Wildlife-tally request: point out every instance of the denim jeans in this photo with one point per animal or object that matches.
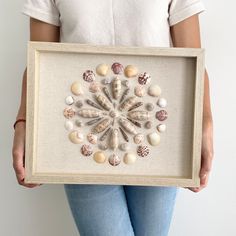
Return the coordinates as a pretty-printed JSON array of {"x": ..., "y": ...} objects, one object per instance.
[{"x": 121, "y": 210}]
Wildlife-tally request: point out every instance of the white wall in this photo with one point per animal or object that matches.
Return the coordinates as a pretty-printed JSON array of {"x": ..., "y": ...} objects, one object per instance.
[{"x": 44, "y": 210}]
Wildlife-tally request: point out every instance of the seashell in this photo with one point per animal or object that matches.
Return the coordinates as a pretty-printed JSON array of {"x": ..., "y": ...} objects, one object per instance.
[
  {"x": 129, "y": 127},
  {"x": 76, "y": 137},
  {"x": 106, "y": 81},
  {"x": 79, "y": 123},
  {"x": 130, "y": 71},
  {"x": 126, "y": 83},
  {"x": 102, "y": 146},
  {"x": 162, "y": 102},
  {"x": 114, "y": 139},
  {"x": 144, "y": 78},
  {"x": 148, "y": 125},
  {"x": 102, "y": 69},
  {"x": 76, "y": 89},
  {"x": 135, "y": 122},
  {"x": 94, "y": 87},
  {"x": 79, "y": 104},
  {"x": 124, "y": 147},
  {"x": 136, "y": 105},
  {"x": 154, "y": 138},
  {"x": 101, "y": 126},
  {"x": 139, "y": 91},
  {"x": 107, "y": 94},
  {"x": 99, "y": 157},
  {"x": 103, "y": 102},
  {"x": 117, "y": 68},
  {"x": 125, "y": 136},
  {"x": 125, "y": 93},
  {"x": 154, "y": 90},
  {"x": 69, "y": 100},
  {"x": 91, "y": 122},
  {"x": 91, "y": 103},
  {"x": 113, "y": 114},
  {"x": 89, "y": 113},
  {"x": 161, "y": 115},
  {"x": 139, "y": 115},
  {"x": 129, "y": 158},
  {"x": 86, "y": 150},
  {"x": 127, "y": 104},
  {"x": 89, "y": 76},
  {"x": 69, "y": 112},
  {"x": 92, "y": 138},
  {"x": 106, "y": 133},
  {"x": 68, "y": 125},
  {"x": 114, "y": 159},
  {"x": 138, "y": 138},
  {"x": 149, "y": 106},
  {"x": 143, "y": 150},
  {"x": 116, "y": 88},
  {"x": 161, "y": 128}
]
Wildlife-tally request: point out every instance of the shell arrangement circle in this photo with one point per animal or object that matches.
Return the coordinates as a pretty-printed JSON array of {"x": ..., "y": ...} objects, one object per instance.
[{"x": 116, "y": 115}]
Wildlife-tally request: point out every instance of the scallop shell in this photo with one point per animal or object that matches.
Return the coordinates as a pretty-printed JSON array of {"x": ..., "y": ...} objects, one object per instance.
[
  {"x": 89, "y": 113},
  {"x": 102, "y": 100},
  {"x": 116, "y": 88},
  {"x": 86, "y": 150},
  {"x": 129, "y": 158},
  {"x": 130, "y": 71},
  {"x": 114, "y": 159},
  {"x": 69, "y": 112},
  {"x": 144, "y": 78},
  {"x": 154, "y": 138},
  {"x": 76, "y": 88},
  {"x": 69, "y": 100},
  {"x": 143, "y": 150},
  {"x": 154, "y": 90},
  {"x": 102, "y": 69},
  {"x": 69, "y": 125},
  {"x": 101, "y": 126},
  {"x": 162, "y": 102},
  {"x": 117, "y": 68},
  {"x": 138, "y": 138},
  {"x": 88, "y": 76},
  {"x": 161, "y": 128},
  {"x": 92, "y": 138},
  {"x": 149, "y": 106},
  {"x": 129, "y": 127},
  {"x": 127, "y": 104},
  {"x": 124, "y": 147},
  {"x": 76, "y": 137},
  {"x": 161, "y": 115},
  {"x": 139, "y": 115},
  {"x": 99, "y": 157},
  {"x": 139, "y": 91},
  {"x": 114, "y": 139},
  {"x": 94, "y": 87}
]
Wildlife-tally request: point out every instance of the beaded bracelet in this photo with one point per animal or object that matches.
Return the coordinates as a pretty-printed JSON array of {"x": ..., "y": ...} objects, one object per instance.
[{"x": 19, "y": 120}]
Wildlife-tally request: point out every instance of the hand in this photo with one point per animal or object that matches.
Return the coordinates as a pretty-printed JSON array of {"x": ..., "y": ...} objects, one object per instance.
[
  {"x": 206, "y": 154},
  {"x": 18, "y": 153}
]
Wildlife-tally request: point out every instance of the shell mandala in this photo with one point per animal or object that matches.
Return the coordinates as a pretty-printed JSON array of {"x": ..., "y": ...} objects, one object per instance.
[{"x": 107, "y": 116}]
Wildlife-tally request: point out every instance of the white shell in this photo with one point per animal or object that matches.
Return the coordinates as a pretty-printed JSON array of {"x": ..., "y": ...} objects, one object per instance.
[
  {"x": 69, "y": 100},
  {"x": 162, "y": 102},
  {"x": 76, "y": 88},
  {"x": 102, "y": 69},
  {"x": 92, "y": 138},
  {"x": 139, "y": 91},
  {"x": 154, "y": 90},
  {"x": 154, "y": 138},
  {"x": 76, "y": 137},
  {"x": 161, "y": 128},
  {"x": 69, "y": 125},
  {"x": 99, "y": 157},
  {"x": 129, "y": 158},
  {"x": 138, "y": 138}
]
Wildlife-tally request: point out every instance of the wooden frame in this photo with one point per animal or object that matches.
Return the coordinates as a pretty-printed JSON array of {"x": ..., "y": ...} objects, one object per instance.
[{"x": 187, "y": 57}]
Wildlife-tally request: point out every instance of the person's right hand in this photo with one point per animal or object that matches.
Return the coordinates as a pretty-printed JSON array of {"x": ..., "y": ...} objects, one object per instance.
[{"x": 18, "y": 153}]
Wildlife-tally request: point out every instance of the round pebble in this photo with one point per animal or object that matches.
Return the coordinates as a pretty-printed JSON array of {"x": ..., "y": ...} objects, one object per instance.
[
  {"x": 69, "y": 100},
  {"x": 162, "y": 102},
  {"x": 79, "y": 104},
  {"x": 148, "y": 125},
  {"x": 149, "y": 106}
]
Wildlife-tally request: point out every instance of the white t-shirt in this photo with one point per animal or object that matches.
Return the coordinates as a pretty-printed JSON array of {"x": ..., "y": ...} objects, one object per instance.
[{"x": 114, "y": 22}]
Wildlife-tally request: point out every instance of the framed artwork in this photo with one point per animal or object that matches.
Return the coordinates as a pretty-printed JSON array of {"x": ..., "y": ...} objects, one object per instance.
[{"x": 113, "y": 114}]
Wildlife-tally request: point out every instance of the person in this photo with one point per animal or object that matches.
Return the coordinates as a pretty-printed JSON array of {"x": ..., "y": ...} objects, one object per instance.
[{"x": 110, "y": 210}]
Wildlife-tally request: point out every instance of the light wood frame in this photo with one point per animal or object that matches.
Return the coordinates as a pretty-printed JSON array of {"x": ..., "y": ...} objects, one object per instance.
[{"x": 32, "y": 176}]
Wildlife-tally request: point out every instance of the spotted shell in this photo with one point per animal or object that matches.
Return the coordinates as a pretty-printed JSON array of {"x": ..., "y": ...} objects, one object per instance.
[
  {"x": 117, "y": 68},
  {"x": 102, "y": 69},
  {"x": 144, "y": 78},
  {"x": 86, "y": 150},
  {"x": 88, "y": 76},
  {"x": 139, "y": 91},
  {"x": 161, "y": 115},
  {"x": 76, "y": 137},
  {"x": 138, "y": 138},
  {"x": 69, "y": 112},
  {"x": 92, "y": 138},
  {"x": 76, "y": 88},
  {"x": 99, "y": 157},
  {"x": 114, "y": 159},
  {"x": 143, "y": 150},
  {"x": 130, "y": 71},
  {"x": 94, "y": 87}
]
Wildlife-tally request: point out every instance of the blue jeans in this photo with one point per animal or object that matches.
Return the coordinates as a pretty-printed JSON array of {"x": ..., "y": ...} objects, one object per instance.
[{"x": 121, "y": 210}]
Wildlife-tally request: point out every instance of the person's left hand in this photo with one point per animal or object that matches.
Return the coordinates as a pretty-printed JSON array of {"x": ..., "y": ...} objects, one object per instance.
[{"x": 207, "y": 153}]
